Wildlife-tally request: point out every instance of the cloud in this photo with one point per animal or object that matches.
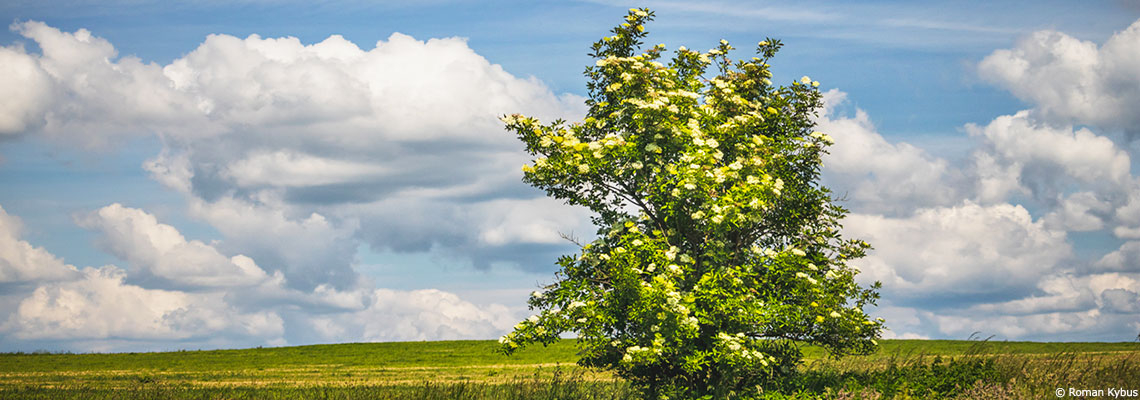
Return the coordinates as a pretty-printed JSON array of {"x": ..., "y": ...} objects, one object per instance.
[
  {"x": 79, "y": 93},
  {"x": 876, "y": 175},
  {"x": 1020, "y": 154},
  {"x": 964, "y": 254},
  {"x": 1070, "y": 80},
  {"x": 159, "y": 251},
  {"x": 22, "y": 263},
  {"x": 310, "y": 250},
  {"x": 298, "y": 170},
  {"x": 1124, "y": 259},
  {"x": 407, "y": 156},
  {"x": 102, "y": 306},
  {"x": 28, "y": 90},
  {"x": 1079, "y": 212},
  {"x": 294, "y": 131},
  {"x": 1092, "y": 307},
  {"x": 418, "y": 315}
]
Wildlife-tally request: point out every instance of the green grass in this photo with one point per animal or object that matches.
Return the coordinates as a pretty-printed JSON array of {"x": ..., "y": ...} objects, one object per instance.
[{"x": 472, "y": 369}]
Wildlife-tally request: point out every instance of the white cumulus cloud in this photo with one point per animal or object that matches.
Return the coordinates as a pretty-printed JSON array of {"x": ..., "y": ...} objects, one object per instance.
[
  {"x": 21, "y": 262},
  {"x": 1072, "y": 80},
  {"x": 969, "y": 252},
  {"x": 158, "y": 250},
  {"x": 102, "y": 306},
  {"x": 877, "y": 175}
]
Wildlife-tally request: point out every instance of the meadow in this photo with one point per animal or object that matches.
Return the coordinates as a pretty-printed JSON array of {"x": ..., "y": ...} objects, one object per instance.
[{"x": 472, "y": 370}]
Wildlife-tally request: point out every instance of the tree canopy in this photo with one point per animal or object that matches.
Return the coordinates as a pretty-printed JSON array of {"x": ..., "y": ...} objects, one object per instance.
[{"x": 718, "y": 251}]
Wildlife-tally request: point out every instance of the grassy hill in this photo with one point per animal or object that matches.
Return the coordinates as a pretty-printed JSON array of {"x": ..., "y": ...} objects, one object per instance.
[{"x": 418, "y": 369}]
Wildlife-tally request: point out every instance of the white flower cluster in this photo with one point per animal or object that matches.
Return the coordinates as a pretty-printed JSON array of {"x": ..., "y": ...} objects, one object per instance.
[
  {"x": 823, "y": 137},
  {"x": 735, "y": 346}
]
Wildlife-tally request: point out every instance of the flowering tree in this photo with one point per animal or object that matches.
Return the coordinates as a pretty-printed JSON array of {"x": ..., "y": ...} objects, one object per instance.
[{"x": 718, "y": 250}]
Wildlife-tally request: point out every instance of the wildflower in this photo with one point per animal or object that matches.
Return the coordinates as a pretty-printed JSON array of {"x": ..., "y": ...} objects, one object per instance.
[
  {"x": 583, "y": 168},
  {"x": 533, "y": 319},
  {"x": 772, "y": 110},
  {"x": 819, "y": 319},
  {"x": 805, "y": 80},
  {"x": 835, "y": 314},
  {"x": 798, "y": 252}
]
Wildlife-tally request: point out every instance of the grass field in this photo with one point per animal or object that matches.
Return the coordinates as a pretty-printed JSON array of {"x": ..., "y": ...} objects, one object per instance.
[{"x": 471, "y": 369}]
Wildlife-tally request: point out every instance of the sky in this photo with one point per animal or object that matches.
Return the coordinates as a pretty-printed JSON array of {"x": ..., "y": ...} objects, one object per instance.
[{"x": 220, "y": 174}]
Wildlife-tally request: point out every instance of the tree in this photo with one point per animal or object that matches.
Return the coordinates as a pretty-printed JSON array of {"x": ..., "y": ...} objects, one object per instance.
[{"x": 718, "y": 251}]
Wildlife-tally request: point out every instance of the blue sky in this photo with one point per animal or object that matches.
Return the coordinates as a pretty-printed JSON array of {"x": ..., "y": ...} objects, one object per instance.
[{"x": 221, "y": 174}]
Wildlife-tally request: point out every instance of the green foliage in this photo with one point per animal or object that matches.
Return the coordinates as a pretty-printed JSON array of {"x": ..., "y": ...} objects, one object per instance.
[
  {"x": 919, "y": 378},
  {"x": 718, "y": 251}
]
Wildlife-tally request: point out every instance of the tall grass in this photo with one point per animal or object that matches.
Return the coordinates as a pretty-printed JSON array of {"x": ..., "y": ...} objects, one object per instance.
[
  {"x": 977, "y": 373},
  {"x": 558, "y": 385}
]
